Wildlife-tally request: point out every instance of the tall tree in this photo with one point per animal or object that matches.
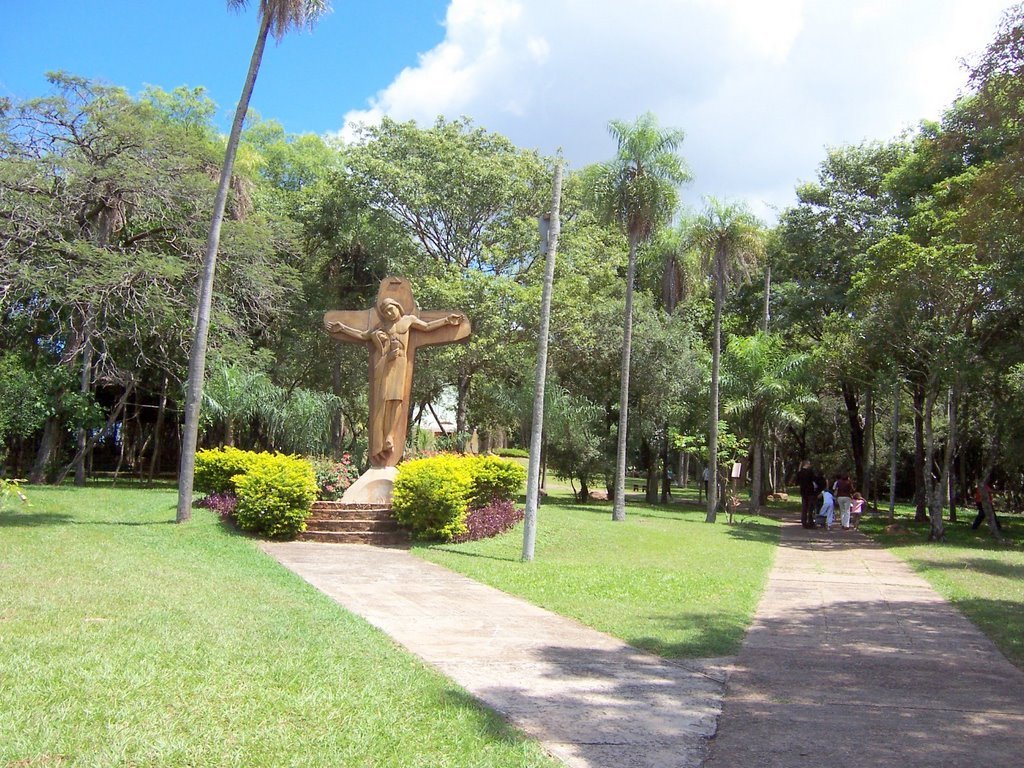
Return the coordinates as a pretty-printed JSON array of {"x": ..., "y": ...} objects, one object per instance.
[
  {"x": 277, "y": 17},
  {"x": 637, "y": 190},
  {"x": 468, "y": 200},
  {"x": 764, "y": 383},
  {"x": 730, "y": 239}
]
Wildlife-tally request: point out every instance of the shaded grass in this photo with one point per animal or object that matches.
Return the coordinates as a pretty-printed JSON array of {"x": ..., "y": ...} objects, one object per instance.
[
  {"x": 128, "y": 640},
  {"x": 663, "y": 580},
  {"x": 982, "y": 578}
]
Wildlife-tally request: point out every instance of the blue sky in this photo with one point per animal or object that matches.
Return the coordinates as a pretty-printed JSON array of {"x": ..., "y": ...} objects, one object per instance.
[
  {"x": 760, "y": 87},
  {"x": 308, "y": 81}
]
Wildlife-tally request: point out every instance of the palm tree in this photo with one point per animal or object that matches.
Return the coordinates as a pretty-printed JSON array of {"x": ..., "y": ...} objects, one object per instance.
[
  {"x": 636, "y": 190},
  {"x": 277, "y": 17},
  {"x": 730, "y": 241},
  {"x": 767, "y": 387}
]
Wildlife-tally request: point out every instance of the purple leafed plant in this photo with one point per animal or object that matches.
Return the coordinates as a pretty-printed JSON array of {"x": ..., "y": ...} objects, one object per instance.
[
  {"x": 222, "y": 503},
  {"x": 484, "y": 522}
]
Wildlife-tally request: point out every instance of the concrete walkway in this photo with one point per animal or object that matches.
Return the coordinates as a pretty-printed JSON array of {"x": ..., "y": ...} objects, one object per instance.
[
  {"x": 852, "y": 661},
  {"x": 591, "y": 700}
]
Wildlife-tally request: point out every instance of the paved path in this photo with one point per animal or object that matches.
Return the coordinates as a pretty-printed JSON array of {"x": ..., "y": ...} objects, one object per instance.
[
  {"x": 591, "y": 700},
  {"x": 852, "y": 660}
]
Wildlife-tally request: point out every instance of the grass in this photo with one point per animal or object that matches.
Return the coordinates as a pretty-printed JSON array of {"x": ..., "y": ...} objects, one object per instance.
[
  {"x": 663, "y": 580},
  {"x": 983, "y": 579},
  {"x": 128, "y": 640}
]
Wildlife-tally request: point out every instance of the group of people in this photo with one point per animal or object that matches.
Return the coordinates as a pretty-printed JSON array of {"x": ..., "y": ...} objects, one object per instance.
[{"x": 819, "y": 499}]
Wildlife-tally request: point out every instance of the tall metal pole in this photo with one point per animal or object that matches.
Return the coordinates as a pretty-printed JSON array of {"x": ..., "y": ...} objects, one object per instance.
[
  {"x": 549, "y": 242},
  {"x": 767, "y": 297}
]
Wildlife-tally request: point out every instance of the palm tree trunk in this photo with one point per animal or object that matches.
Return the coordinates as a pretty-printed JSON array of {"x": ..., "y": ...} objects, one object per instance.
[
  {"x": 716, "y": 360},
  {"x": 197, "y": 357},
  {"x": 619, "y": 506},
  {"x": 533, "y": 473}
]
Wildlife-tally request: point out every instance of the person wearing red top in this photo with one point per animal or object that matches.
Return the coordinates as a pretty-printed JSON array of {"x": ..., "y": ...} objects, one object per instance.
[{"x": 978, "y": 501}]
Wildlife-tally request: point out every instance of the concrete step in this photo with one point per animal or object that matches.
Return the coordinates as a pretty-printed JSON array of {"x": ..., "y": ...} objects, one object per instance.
[
  {"x": 353, "y": 524},
  {"x": 377, "y": 538},
  {"x": 340, "y": 523},
  {"x": 335, "y": 510}
]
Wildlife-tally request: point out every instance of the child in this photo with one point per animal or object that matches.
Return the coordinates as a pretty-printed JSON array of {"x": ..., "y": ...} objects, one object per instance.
[
  {"x": 826, "y": 516},
  {"x": 856, "y": 509}
]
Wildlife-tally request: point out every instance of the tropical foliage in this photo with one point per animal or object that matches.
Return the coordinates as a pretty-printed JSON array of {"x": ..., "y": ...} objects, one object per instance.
[{"x": 873, "y": 327}]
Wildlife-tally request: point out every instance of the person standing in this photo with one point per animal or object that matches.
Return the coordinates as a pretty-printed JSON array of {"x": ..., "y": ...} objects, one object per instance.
[
  {"x": 808, "y": 494},
  {"x": 707, "y": 477},
  {"x": 844, "y": 497},
  {"x": 828, "y": 509},
  {"x": 979, "y": 501},
  {"x": 856, "y": 510}
]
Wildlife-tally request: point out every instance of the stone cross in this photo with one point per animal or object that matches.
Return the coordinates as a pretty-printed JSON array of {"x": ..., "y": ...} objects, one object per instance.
[{"x": 393, "y": 329}]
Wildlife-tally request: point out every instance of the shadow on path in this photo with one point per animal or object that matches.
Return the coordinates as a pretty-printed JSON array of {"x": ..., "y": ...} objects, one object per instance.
[{"x": 853, "y": 660}]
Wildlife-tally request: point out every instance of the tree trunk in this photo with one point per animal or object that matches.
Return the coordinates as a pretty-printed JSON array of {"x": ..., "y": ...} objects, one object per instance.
[
  {"x": 125, "y": 436},
  {"x": 716, "y": 359},
  {"x": 650, "y": 459},
  {"x": 666, "y": 482},
  {"x": 869, "y": 439},
  {"x": 85, "y": 388},
  {"x": 619, "y": 505},
  {"x": 951, "y": 448},
  {"x": 755, "y": 476},
  {"x": 197, "y": 356},
  {"x": 933, "y": 489},
  {"x": 894, "y": 457},
  {"x": 158, "y": 431},
  {"x": 111, "y": 421},
  {"x": 45, "y": 453},
  {"x": 533, "y": 474},
  {"x": 462, "y": 404},
  {"x": 856, "y": 431},
  {"x": 920, "y": 490}
]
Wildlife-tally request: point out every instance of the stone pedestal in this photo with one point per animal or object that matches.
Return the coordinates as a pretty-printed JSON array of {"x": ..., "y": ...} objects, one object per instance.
[{"x": 373, "y": 487}]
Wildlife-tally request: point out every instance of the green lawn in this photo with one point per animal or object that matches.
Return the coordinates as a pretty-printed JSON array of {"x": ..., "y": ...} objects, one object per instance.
[
  {"x": 128, "y": 640},
  {"x": 663, "y": 580},
  {"x": 985, "y": 580}
]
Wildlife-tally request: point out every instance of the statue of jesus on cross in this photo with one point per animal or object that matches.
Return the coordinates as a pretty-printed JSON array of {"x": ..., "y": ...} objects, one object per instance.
[{"x": 393, "y": 330}]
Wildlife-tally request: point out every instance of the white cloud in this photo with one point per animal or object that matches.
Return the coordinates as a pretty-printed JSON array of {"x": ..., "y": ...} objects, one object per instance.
[{"x": 761, "y": 88}]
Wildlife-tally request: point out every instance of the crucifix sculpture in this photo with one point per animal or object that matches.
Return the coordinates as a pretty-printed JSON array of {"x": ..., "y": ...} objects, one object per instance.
[{"x": 392, "y": 330}]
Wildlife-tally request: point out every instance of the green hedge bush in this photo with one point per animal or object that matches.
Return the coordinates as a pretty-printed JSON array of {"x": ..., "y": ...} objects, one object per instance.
[
  {"x": 433, "y": 496},
  {"x": 518, "y": 453},
  {"x": 494, "y": 479},
  {"x": 216, "y": 468},
  {"x": 275, "y": 495}
]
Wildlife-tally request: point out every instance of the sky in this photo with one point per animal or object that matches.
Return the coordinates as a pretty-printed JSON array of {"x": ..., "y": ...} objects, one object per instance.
[{"x": 761, "y": 88}]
